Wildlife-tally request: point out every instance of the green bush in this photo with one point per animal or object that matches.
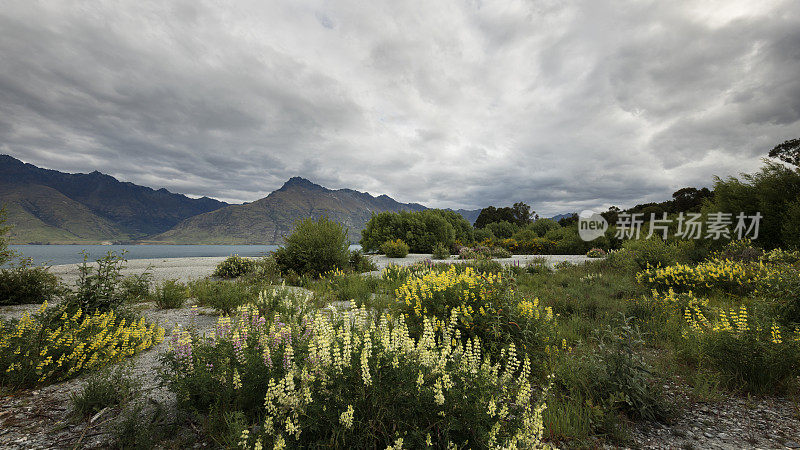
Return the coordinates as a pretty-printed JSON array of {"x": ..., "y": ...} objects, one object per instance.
[
  {"x": 223, "y": 296},
  {"x": 105, "y": 389},
  {"x": 654, "y": 252},
  {"x": 542, "y": 226},
  {"x": 503, "y": 229},
  {"x": 394, "y": 249},
  {"x": 748, "y": 355},
  {"x": 440, "y": 251},
  {"x": 136, "y": 287},
  {"x": 24, "y": 283},
  {"x": 361, "y": 263},
  {"x": 234, "y": 266},
  {"x": 592, "y": 389},
  {"x": 421, "y": 230},
  {"x": 314, "y": 247},
  {"x": 97, "y": 287},
  {"x": 483, "y": 234},
  {"x": 170, "y": 294},
  {"x": 265, "y": 270}
]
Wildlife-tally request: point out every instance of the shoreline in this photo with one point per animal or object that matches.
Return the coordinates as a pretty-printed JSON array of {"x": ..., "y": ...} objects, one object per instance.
[{"x": 187, "y": 269}]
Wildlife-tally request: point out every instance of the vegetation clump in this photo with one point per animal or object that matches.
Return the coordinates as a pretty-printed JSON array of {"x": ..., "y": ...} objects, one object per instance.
[
  {"x": 234, "y": 266},
  {"x": 395, "y": 249},
  {"x": 314, "y": 247}
]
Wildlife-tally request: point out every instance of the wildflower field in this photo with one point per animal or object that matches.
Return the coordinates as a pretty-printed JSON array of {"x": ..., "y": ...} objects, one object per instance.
[{"x": 470, "y": 354}]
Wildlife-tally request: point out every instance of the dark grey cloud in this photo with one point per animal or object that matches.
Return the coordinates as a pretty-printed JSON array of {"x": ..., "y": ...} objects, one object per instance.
[{"x": 564, "y": 105}]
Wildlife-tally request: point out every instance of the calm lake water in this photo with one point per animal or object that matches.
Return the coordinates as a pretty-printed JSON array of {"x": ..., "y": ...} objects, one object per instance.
[{"x": 69, "y": 254}]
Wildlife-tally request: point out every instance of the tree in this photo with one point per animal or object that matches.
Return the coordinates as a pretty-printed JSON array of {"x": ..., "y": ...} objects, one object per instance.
[
  {"x": 520, "y": 214},
  {"x": 788, "y": 152}
]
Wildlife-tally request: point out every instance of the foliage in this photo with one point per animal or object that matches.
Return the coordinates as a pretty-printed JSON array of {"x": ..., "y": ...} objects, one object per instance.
[
  {"x": 754, "y": 357},
  {"x": 520, "y": 215},
  {"x": 594, "y": 387},
  {"x": 421, "y": 230},
  {"x": 773, "y": 191},
  {"x": 104, "y": 389},
  {"x": 739, "y": 251},
  {"x": 353, "y": 384},
  {"x": 170, "y": 294},
  {"x": 503, "y": 229},
  {"x": 542, "y": 226},
  {"x": 714, "y": 274},
  {"x": 483, "y": 305},
  {"x": 98, "y": 286},
  {"x": 314, "y": 247},
  {"x": 265, "y": 270},
  {"x": 234, "y": 266},
  {"x": 483, "y": 234},
  {"x": 596, "y": 253},
  {"x": 361, "y": 263},
  {"x": 440, "y": 251},
  {"x": 342, "y": 286},
  {"x": 136, "y": 287},
  {"x": 23, "y": 282},
  {"x": 223, "y": 296},
  {"x": 653, "y": 252},
  {"x": 483, "y": 252},
  {"x": 788, "y": 152},
  {"x": 394, "y": 249},
  {"x": 54, "y": 345}
]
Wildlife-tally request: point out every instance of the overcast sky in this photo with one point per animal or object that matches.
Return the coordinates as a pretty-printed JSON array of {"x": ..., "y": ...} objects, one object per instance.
[{"x": 563, "y": 105}]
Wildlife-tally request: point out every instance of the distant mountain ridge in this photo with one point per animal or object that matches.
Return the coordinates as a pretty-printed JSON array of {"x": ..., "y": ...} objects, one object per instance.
[
  {"x": 270, "y": 219},
  {"x": 51, "y": 206},
  {"x": 48, "y": 206}
]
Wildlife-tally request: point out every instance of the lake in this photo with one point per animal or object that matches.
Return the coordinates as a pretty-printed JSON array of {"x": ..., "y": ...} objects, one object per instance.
[{"x": 70, "y": 254}]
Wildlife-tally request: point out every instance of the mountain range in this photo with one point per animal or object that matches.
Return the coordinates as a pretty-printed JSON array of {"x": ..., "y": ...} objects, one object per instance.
[{"x": 48, "y": 206}]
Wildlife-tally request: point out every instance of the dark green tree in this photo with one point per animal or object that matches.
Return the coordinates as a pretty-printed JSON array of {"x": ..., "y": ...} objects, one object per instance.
[{"x": 788, "y": 152}]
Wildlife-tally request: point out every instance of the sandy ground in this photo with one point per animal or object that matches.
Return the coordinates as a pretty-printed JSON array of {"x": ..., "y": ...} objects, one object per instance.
[
  {"x": 188, "y": 269},
  {"x": 182, "y": 269}
]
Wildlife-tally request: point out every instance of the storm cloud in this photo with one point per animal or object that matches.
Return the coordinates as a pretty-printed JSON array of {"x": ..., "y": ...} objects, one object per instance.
[{"x": 462, "y": 104}]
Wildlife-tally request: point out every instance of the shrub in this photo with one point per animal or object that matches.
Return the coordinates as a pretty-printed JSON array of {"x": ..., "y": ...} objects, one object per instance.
[
  {"x": 440, "y": 251},
  {"x": 265, "y": 270},
  {"x": 354, "y": 384},
  {"x": 136, "y": 287},
  {"x": 54, "y": 345},
  {"x": 654, "y": 252},
  {"x": 483, "y": 234},
  {"x": 593, "y": 388},
  {"x": 24, "y": 283},
  {"x": 234, "y": 266},
  {"x": 314, "y": 247},
  {"x": 503, "y": 229},
  {"x": 483, "y": 305},
  {"x": 98, "y": 286},
  {"x": 542, "y": 226},
  {"x": 170, "y": 294},
  {"x": 361, "y": 263},
  {"x": 395, "y": 249},
  {"x": 740, "y": 251},
  {"x": 754, "y": 357},
  {"x": 223, "y": 296},
  {"x": 596, "y": 253},
  {"x": 350, "y": 286},
  {"x": 720, "y": 275},
  {"x": 104, "y": 389}
]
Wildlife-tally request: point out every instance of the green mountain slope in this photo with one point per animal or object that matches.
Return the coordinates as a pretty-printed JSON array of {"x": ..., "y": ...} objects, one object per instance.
[
  {"x": 41, "y": 214},
  {"x": 269, "y": 219},
  {"x": 136, "y": 210}
]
